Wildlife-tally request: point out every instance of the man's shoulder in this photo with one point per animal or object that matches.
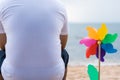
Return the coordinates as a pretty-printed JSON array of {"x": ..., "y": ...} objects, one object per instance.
[
  {"x": 3, "y": 3},
  {"x": 59, "y": 6}
]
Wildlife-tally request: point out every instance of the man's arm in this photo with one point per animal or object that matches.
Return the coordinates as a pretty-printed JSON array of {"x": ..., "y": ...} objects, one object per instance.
[
  {"x": 2, "y": 40},
  {"x": 2, "y": 36},
  {"x": 63, "y": 39}
]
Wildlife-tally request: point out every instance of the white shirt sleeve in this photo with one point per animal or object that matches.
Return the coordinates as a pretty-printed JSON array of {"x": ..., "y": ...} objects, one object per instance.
[
  {"x": 64, "y": 30},
  {"x": 1, "y": 28}
]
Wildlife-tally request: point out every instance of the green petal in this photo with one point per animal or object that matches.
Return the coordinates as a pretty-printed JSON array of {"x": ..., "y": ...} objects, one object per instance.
[
  {"x": 109, "y": 38},
  {"x": 92, "y": 72}
]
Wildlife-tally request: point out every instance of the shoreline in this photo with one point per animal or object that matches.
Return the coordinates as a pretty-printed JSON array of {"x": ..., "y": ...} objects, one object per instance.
[
  {"x": 76, "y": 65},
  {"x": 109, "y": 72}
]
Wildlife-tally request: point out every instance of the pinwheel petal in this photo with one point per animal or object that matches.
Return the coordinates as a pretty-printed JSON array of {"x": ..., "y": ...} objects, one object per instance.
[
  {"x": 92, "y": 33},
  {"x": 109, "y": 38},
  {"x": 88, "y": 42},
  {"x": 109, "y": 48},
  {"x": 92, "y": 50},
  {"x": 92, "y": 72},
  {"x": 102, "y": 31},
  {"x": 103, "y": 53}
]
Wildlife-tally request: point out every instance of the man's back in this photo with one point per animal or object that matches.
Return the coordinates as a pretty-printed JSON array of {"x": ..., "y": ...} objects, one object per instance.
[{"x": 33, "y": 28}]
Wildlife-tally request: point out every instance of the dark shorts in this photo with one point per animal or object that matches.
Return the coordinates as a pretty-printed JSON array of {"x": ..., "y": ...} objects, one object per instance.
[
  {"x": 2, "y": 57},
  {"x": 64, "y": 55}
]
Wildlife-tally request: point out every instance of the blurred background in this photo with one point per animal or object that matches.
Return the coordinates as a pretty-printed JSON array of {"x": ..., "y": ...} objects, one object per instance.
[{"x": 82, "y": 13}]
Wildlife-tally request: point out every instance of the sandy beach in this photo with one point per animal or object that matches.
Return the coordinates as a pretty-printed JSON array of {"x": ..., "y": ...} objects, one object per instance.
[{"x": 80, "y": 73}]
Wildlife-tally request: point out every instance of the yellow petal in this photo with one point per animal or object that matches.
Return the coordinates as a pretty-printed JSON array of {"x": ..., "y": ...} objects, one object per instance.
[
  {"x": 102, "y": 31},
  {"x": 92, "y": 33}
]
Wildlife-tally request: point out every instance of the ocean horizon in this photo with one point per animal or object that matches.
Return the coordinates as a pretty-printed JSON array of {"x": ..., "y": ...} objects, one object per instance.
[{"x": 77, "y": 52}]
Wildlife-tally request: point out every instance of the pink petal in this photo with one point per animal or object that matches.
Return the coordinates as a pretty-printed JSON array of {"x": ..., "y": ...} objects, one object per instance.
[{"x": 88, "y": 42}]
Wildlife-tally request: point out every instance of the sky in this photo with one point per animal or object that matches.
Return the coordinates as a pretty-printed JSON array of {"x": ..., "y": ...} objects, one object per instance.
[{"x": 98, "y": 11}]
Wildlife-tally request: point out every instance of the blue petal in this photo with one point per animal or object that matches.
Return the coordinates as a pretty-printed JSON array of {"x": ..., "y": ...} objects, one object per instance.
[{"x": 109, "y": 48}]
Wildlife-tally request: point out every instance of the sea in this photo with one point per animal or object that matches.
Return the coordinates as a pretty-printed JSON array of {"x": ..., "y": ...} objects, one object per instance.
[{"x": 77, "y": 52}]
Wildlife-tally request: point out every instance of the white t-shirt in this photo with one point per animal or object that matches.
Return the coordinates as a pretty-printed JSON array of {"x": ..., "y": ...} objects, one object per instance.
[{"x": 33, "y": 47}]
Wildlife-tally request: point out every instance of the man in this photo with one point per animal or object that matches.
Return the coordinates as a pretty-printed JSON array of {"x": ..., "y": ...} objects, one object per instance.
[{"x": 35, "y": 30}]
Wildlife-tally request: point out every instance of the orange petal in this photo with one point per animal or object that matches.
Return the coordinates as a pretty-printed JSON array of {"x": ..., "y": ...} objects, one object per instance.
[{"x": 92, "y": 33}]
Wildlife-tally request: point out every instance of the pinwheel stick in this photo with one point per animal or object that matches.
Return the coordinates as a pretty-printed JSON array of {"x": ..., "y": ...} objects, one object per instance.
[{"x": 99, "y": 53}]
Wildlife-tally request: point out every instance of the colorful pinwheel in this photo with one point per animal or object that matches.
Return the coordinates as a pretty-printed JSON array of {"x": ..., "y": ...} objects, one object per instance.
[{"x": 99, "y": 35}]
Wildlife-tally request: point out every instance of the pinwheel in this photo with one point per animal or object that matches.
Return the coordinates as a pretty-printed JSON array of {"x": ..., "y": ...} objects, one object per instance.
[{"x": 99, "y": 42}]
